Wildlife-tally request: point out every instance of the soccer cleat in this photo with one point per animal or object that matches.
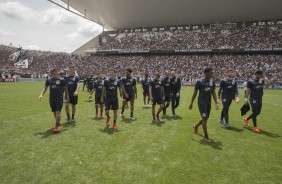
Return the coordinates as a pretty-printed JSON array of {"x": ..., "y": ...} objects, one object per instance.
[
  {"x": 145, "y": 105},
  {"x": 221, "y": 122},
  {"x": 121, "y": 115},
  {"x": 56, "y": 129},
  {"x": 60, "y": 124},
  {"x": 256, "y": 129},
  {"x": 227, "y": 125},
  {"x": 154, "y": 118},
  {"x": 195, "y": 129},
  {"x": 132, "y": 118},
  {"x": 174, "y": 115},
  {"x": 107, "y": 120},
  {"x": 246, "y": 121},
  {"x": 96, "y": 113},
  {"x": 157, "y": 116},
  {"x": 68, "y": 120},
  {"x": 101, "y": 116},
  {"x": 72, "y": 121},
  {"x": 115, "y": 126},
  {"x": 207, "y": 140}
]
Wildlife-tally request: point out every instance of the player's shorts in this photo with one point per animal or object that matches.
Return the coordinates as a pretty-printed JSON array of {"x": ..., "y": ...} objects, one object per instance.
[
  {"x": 204, "y": 109},
  {"x": 167, "y": 98},
  {"x": 226, "y": 102},
  {"x": 157, "y": 100},
  {"x": 56, "y": 104},
  {"x": 111, "y": 103},
  {"x": 256, "y": 104},
  {"x": 73, "y": 100},
  {"x": 98, "y": 100},
  {"x": 146, "y": 93},
  {"x": 131, "y": 96},
  {"x": 90, "y": 88}
]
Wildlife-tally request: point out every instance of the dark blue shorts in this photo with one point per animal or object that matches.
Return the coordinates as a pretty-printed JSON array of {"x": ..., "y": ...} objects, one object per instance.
[
  {"x": 204, "y": 109},
  {"x": 73, "y": 100},
  {"x": 256, "y": 104},
  {"x": 111, "y": 103},
  {"x": 98, "y": 100},
  {"x": 90, "y": 88},
  {"x": 56, "y": 104},
  {"x": 167, "y": 98},
  {"x": 146, "y": 93},
  {"x": 157, "y": 100},
  {"x": 131, "y": 96}
]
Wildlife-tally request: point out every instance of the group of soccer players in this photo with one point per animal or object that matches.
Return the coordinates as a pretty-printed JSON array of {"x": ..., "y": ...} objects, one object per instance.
[{"x": 163, "y": 92}]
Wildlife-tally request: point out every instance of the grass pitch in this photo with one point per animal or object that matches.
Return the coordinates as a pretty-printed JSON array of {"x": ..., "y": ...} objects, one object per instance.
[{"x": 140, "y": 151}]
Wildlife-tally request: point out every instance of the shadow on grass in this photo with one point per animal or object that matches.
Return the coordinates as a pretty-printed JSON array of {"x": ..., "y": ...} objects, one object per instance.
[
  {"x": 109, "y": 130},
  {"x": 231, "y": 128},
  {"x": 213, "y": 144},
  {"x": 263, "y": 132},
  {"x": 97, "y": 118},
  {"x": 72, "y": 124},
  {"x": 127, "y": 120},
  {"x": 167, "y": 117},
  {"x": 157, "y": 123},
  {"x": 49, "y": 132}
]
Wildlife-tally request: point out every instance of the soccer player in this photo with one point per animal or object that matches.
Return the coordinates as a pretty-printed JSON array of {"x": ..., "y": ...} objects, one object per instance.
[
  {"x": 166, "y": 83},
  {"x": 57, "y": 88},
  {"x": 72, "y": 82},
  {"x": 90, "y": 85},
  {"x": 145, "y": 89},
  {"x": 129, "y": 90},
  {"x": 175, "y": 92},
  {"x": 110, "y": 92},
  {"x": 255, "y": 91},
  {"x": 228, "y": 90},
  {"x": 156, "y": 92},
  {"x": 84, "y": 82},
  {"x": 98, "y": 87},
  {"x": 206, "y": 88}
]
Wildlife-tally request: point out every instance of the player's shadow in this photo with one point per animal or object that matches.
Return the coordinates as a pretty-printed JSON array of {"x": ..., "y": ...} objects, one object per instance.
[
  {"x": 167, "y": 117},
  {"x": 109, "y": 130},
  {"x": 213, "y": 144},
  {"x": 263, "y": 132},
  {"x": 96, "y": 118},
  {"x": 127, "y": 120},
  {"x": 158, "y": 123},
  {"x": 231, "y": 128},
  {"x": 177, "y": 118},
  {"x": 71, "y": 124},
  {"x": 49, "y": 132}
]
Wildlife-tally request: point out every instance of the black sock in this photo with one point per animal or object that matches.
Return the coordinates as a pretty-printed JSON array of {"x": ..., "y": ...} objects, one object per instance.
[
  {"x": 115, "y": 121},
  {"x": 68, "y": 115},
  {"x": 122, "y": 111},
  {"x": 72, "y": 116},
  {"x": 131, "y": 114}
]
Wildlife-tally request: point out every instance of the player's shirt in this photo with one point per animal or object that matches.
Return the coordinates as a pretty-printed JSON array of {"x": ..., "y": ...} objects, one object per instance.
[
  {"x": 128, "y": 83},
  {"x": 205, "y": 87},
  {"x": 111, "y": 88},
  {"x": 175, "y": 85},
  {"x": 256, "y": 88},
  {"x": 145, "y": 84},
  {"x": 166, "y": 83},
  {"x": 156, "y": 88},
  {"x": 98, "y": 85},
  {"x": 90, "y": 82},
  {"x": 56, "y": 87},
  {"x": 72, "y": 82},
  {"x": 229, "y": 89}
]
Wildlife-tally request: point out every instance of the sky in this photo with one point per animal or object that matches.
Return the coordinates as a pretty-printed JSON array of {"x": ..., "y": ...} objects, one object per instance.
[{"x": 41, "y": 25}]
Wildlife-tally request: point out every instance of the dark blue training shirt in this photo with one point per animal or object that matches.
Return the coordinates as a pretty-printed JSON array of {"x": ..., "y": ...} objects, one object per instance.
[
  {"x": 90, "y": 82},
  {"x": 111, "y": 87},
  {"x": 166, "y": 83},
  {"x": 72, "y": 82},
  {"x": 145, "y": 84},
  {"x": 56, "y": 87},
  {"x": 228, "y": 89},
  {"x": 98, "y": 85},
  {"x": 256, "y": 88},
  {"x": 156, "y": 88},
  {"x": 128, "y": 83},
  {"x": 205, "y": 87},
  {"x": 175, "y": 85}
]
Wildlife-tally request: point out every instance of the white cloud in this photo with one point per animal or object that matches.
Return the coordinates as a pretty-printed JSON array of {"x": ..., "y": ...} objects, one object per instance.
[
  {"x": 57, "y": 16},
  {"x": 16, "y": 10},
  {"x": 6, "y": 33},
  {"x": 33, "y": 47}
]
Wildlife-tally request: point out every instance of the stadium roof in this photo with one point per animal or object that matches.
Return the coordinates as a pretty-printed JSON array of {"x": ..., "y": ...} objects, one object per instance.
[{"x": 116, "y": 14}]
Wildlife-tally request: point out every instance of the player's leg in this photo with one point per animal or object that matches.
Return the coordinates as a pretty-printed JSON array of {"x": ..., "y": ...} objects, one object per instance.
[
  {"x": 148, "y": 101},
  {"x": 58, "y": 107},
  {"x": 132, "y": 108},
  {"x": 177, "y": 100},
  {"x": 73, "y": 108},
  {"x": 144, "y": 99},
  {"x": 101, "y": 110},
  {"x": 153, "y": 110},
  {"x": 115, "y": 120},
  {"x": 67, "y": 108},
  {"x": 160, "y": 110},
  {"x": 255, "y": 109},
  {"x": 124, "y": 102},
  {"x": 226, "y": 115},
  {"x": 107, "y": 109},
  {"x": 173, "y": 101},
  {"x": 205, "y": 129}
]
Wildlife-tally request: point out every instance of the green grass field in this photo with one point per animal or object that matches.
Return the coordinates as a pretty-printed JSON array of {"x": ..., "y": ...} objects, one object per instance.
[{"x": 140, "y": 151}]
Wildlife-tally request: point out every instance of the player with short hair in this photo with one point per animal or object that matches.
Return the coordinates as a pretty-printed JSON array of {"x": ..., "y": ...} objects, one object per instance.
[
  {"x": 145, "y": 89},
  {"x": 206, "y": 88},
  {"x": 156, "y": 92},
  {"x": 228, "y": 90},
  {"x": 57, "y": 89},
  {"x": 166, "y": 83},
  {"x": 129, "y": 91},
  {"x": 175, "y": 92},
  {"x": 72, "y": 82},
  {"x": 98, "y": 88},
  {"x": 110, "y": 94},
  {"x": 255, "y": 91}
]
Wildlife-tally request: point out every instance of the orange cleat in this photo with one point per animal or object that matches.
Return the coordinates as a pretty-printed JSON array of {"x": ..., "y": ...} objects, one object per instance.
[
  {"x": 195, "y": 129},
  {"x": 207, "y": 140},
  {"x": 256, "y": 129},
  {"x": 115, "y": 126},
  {"x": 107, "y": 120},
  {"x": 246, "y": 121},
  {"x": 56, "y": 129}
]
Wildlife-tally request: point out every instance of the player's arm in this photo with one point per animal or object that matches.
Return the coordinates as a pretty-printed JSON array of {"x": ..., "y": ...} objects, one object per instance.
[
  {"x": 193, "y": 98},
  {"x": 267, "y": 82},
  {"x": 215, "y": 98},
  {"x": 103, "y": 94},
  {"x": 162, "y": 92},
  {"x": 220, "y": 89},
  {"x": 247, "y": 95},
  {"x": 67, "y": 94},
  {"x": 77, "y": 87},
  {"x": 42, "y": 92},
  {"x": 237, "y": 99},
  {"x": 150, "y": 92},
  {"x": 135, "y": 90},
  {"x": 179, "y": 87},
  {"x": 123, "y": 89}
]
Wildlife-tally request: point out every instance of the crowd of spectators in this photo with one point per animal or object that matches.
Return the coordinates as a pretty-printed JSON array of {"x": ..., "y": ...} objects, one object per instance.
[
  {"x": 189, "y": 67},
  {"x": 259, "y": 36}
]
